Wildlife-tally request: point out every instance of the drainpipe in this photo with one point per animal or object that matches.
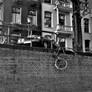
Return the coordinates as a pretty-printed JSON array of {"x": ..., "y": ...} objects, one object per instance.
[
  {"x": 57, "y": 16},
  {"x": 57, "y": 12}
]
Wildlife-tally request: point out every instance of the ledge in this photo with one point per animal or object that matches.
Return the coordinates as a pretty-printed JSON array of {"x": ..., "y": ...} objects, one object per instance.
[
  {"x": 17, "y": 47},
  {"x": 21, "y": 47}
]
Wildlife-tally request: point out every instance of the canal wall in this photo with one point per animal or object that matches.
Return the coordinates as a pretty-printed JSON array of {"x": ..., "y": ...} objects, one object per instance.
[{"x": 35, "y": 71}]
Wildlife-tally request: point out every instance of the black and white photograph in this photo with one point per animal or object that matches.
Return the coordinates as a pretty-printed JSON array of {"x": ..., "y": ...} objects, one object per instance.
[{"x": 45, "y": 45}]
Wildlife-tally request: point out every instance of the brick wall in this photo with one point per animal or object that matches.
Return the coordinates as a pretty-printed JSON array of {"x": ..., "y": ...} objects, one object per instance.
[{"x": 34, "y": 71}]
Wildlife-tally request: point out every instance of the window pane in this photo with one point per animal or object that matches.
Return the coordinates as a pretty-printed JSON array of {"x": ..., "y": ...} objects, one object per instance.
[
  {"x": 86, "y": 25},
  {"x": 61, "y": 19},
  {"x": 16, "y": 10},
  {"x": 16, "y": 15},
  {"x": 18, "y": 18},
  {"x": 47, "y": 19},
  {"x": 13, "y": 18},
  {"x": 32, "y": 16},
  {"x": 87, "y": 45}
]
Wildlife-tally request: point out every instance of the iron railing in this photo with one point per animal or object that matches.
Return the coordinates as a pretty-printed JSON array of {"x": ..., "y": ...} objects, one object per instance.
[
  {"x": 64, "y": 29},
  {"x": 65, "y": 4}
]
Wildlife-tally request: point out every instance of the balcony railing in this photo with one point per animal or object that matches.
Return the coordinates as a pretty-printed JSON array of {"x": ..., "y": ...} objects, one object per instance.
[
  {"x": 65, "y": 29},
  {"x": 65, "y": 6}
]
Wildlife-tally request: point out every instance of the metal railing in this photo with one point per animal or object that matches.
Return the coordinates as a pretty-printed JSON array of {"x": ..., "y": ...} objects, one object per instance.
[
  {"x": 65, "y": 4},
  {"x": 64, "y": 28}
]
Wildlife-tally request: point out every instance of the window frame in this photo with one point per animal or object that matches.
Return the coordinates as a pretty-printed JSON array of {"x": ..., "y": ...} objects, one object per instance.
[
  {"x": 86, "y": 25},
  {"x": 47, "y": 19},
  {"x": 16, "y": 11},
  {"x": 63, "y": 20},
  {"x": 31, "y": 15}
]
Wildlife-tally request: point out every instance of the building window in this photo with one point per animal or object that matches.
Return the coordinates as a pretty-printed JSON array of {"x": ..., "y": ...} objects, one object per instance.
[
  {"x": 86, "y": 25},
  {"x": 47, "y": 19},
  {"x": 16, "y": 15},
  {"x": 61, "y": 19},
  {"x": 32, "y": 17},
  {"x": 87, "y": 45},
  {"x": 47, "y": 1}
]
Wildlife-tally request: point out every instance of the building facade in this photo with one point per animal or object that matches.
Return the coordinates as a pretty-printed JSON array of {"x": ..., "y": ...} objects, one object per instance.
[
  {"x": 86, "y": 25},
  {"x": 51, "y": 18},
  {"x": 57, "y": 17},
  {"x": 22, "y": 12}
]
